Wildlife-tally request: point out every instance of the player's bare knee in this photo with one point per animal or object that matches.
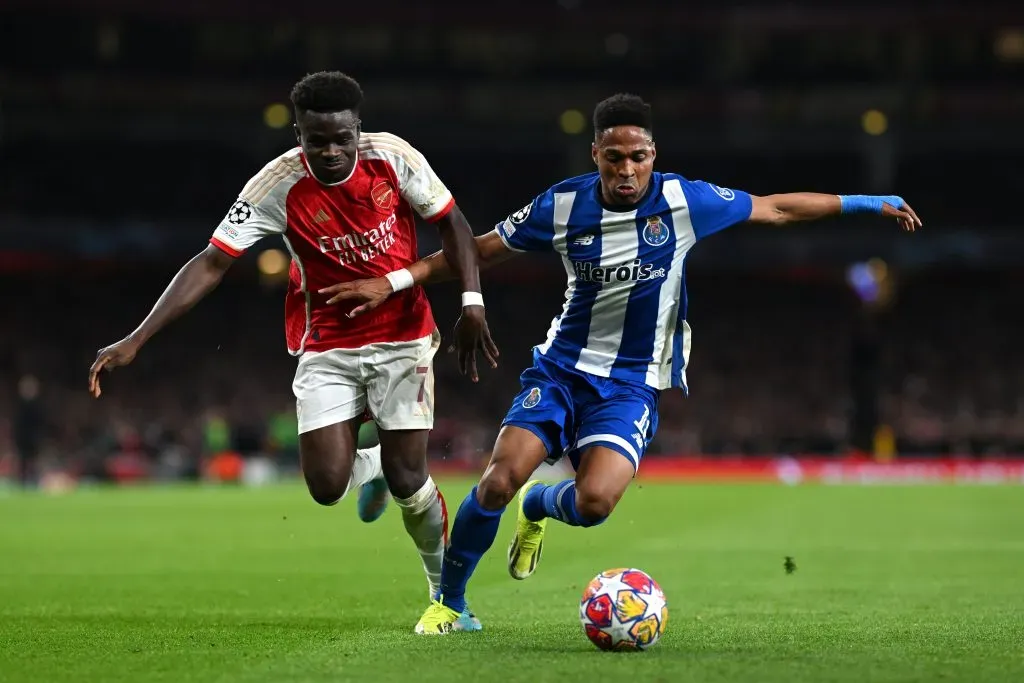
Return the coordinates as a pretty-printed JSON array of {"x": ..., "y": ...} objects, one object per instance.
[
  {"x": 326, "y": 457},
  {"x": 403, "y": 460},
  {"x": 404, "y": 482},
  {"x": 326, "y": 494},
  {"x": 496, "y": 489},
  {"x": 594, "y": 506},
  {"x": 327, "y": 488}
]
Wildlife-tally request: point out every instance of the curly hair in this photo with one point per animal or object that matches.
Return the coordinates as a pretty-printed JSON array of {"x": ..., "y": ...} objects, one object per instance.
[
  {"x": 327, "y": 91},
  {"x": 622, "y": 110}
]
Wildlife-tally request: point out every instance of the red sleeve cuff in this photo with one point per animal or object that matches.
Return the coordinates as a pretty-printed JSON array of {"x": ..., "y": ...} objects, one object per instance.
[
  {"x": 226, "y": 248},
  {"x": 443, "y": 212}
]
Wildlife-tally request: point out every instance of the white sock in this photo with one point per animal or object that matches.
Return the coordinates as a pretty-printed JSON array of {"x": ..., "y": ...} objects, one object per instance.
[
  {"x": 365, "y": 468},
  {"x": 426, "y": 520}
]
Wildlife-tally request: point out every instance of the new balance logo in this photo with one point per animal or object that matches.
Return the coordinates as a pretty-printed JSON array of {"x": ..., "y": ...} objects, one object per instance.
[
  {"x": 321, "y": 217},
  {"x": 584, "y": 241}
]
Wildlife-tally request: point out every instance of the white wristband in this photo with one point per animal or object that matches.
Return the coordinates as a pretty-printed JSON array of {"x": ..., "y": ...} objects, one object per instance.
[
  {"x": 472, "y": 299},
  {"x": 400, "y": 279}
]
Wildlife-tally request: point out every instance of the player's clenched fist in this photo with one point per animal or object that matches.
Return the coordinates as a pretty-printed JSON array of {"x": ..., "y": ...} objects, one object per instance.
[{"x": 113, "y": 356}]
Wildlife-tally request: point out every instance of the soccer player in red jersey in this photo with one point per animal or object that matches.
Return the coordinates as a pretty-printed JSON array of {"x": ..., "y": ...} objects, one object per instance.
[{"x": 344, "y": 203}]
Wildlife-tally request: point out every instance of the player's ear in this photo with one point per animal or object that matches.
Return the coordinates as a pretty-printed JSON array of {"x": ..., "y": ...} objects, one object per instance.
[
  {"x": 593, "y": 152},
  {"x": 298, "y": 133}
]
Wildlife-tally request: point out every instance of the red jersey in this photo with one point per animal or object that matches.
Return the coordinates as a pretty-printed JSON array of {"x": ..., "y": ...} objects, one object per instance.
[{"x": 361, "y": 227}]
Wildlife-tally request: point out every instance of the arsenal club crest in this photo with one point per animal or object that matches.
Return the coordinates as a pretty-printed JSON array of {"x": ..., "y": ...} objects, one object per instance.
[{"x": 383, "y": 195}]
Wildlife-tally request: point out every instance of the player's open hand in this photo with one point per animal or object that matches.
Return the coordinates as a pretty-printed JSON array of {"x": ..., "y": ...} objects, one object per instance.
[
  {"x": 905, "y": 215},
  {"x": 113, "y": 356},
  {"x": 369, "y": 294},
  {"x": 471, "y": 336}
]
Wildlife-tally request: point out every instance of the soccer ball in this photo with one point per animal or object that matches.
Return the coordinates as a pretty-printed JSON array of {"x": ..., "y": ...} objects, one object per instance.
[{"x": 623, "y": 609}]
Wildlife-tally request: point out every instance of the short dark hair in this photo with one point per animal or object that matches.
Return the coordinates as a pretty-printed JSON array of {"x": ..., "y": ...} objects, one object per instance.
[
  {"x": 327, "y": 91},
  {"x": 622, "y": 109}
]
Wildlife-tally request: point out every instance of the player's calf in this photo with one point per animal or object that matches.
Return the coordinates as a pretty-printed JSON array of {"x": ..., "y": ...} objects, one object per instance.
[
  {"x": 424, "y": 512},
  {"x": 517, "y": 453}
]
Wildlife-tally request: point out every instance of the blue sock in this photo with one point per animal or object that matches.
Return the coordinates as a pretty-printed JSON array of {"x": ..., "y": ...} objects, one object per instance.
[
  {"x": 557, "y": 501},
  {"x": 473, "y": 532}
]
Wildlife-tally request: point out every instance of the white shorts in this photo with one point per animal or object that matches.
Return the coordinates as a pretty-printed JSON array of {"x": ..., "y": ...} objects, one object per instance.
[{"x": 395, "y": 380}]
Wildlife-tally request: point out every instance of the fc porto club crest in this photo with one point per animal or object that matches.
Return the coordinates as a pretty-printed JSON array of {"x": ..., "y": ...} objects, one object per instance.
[
  {"x": 383, "y": 195},
  {"x": 655, "y": 232},
  {"x": 532, "y": 399}
]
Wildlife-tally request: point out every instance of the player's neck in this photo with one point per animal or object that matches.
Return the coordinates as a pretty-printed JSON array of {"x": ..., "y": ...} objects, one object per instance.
[{"x": 312, "y": 173}]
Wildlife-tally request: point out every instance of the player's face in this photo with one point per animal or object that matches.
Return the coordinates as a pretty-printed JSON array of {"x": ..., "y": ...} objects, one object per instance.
[
  {"x": 625, "y": 158},
  {"x": 330, "y": 143}
]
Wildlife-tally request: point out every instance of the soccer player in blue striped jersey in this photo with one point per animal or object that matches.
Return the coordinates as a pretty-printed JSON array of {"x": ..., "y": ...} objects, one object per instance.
[{"x": 622, "y": 338}]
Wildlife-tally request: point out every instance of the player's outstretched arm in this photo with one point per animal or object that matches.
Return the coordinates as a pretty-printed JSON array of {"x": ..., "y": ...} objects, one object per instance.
[
  {"x": 437, "y": 268},
  {"x": 780, "y": 209},
  {"x": 370, "y": 294},
  {"x": 196, "y": 279}
]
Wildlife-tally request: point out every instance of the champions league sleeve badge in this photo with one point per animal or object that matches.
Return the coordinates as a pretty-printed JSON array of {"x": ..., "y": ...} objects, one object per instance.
[
  {"x": 240, "y": 212},
  {"x": 521, "y": 215}
]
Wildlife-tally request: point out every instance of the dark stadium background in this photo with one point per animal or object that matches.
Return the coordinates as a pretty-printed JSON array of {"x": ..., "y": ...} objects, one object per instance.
[{"x": 127, "y": 129}]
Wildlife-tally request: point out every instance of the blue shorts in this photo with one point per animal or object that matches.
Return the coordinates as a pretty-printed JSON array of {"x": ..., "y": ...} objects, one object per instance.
[{"x": 570, "y": 411}]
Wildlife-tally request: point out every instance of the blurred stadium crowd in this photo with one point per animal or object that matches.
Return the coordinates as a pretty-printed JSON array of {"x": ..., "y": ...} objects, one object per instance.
[
  {"x": 777, "y": 368},
  {"x": 175, "y": 105}
]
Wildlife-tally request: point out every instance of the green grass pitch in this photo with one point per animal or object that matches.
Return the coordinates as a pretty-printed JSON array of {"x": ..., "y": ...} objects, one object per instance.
[{"x": 207, "y": 584}]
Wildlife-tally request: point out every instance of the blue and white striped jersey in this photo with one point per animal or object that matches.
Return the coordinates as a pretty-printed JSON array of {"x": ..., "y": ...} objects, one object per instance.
[{"x": 624, "y": 315}]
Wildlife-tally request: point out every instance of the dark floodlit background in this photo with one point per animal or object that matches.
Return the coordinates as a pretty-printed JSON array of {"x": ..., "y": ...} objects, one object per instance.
[{"x": 127, "y": 129}]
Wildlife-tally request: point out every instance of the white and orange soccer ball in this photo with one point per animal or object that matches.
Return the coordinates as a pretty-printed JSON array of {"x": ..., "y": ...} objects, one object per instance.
[{"x": 623, "y": 609}]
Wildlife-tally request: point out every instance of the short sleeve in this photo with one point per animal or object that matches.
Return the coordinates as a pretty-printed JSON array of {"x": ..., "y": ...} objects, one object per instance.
[
  {"x": 531, "y": 228},
  {"x": 259, "y": 210},
  {"x": 425, "y": 192},
  {"x": 714, "y": 208},
  {"x": 417, "y": 183}
]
